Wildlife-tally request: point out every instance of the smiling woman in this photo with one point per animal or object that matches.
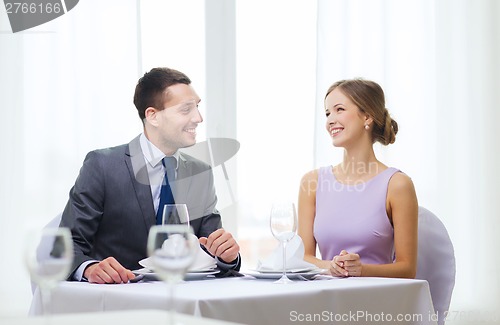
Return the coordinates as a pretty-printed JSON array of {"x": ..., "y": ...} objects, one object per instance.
[
  {"x": 369, "y": 109},
  {"x": 359, "y": 217},
  {"x": 413, "y": 50}
]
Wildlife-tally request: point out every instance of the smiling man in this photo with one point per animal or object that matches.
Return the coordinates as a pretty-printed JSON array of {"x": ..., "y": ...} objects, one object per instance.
[{"x": 116, "y": 197}]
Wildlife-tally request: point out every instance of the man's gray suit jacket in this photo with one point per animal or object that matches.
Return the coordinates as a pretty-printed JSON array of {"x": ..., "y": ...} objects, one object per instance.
[{"x": 110, "y": 208}]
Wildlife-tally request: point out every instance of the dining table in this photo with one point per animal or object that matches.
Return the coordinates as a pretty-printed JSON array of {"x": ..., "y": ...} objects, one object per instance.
[
  {"x": 122, "y": 317},
  {"x": 252, "y": 300}
]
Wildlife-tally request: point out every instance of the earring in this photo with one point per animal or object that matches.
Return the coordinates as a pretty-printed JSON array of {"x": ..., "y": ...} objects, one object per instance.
[{"x": 367, "y": 127}]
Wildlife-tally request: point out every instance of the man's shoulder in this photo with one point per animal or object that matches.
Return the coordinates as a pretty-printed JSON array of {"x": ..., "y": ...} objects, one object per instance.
[
  {"x": 117, "y": 151},
  {"x": 110, "y": 152},
  {"x": 110, "y": 157}
]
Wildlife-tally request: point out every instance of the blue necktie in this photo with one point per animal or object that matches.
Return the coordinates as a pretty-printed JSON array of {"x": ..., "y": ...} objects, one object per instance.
[{"x": 166, "y": 196}]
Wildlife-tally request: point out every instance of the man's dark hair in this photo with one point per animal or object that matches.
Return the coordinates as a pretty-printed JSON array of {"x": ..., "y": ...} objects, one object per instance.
[{"x": 149, "y": 91}]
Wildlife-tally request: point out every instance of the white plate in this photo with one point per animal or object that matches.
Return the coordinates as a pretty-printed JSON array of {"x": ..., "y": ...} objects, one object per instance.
[
  {"x": 205, "y": 264},
  {"x": 191, "y": 275},
  {"x": 297, "y": 270},
  {"x": 276, "y": 275},
  {"x": 207, "y": 269},
  {"x": 199, "y": 275}
]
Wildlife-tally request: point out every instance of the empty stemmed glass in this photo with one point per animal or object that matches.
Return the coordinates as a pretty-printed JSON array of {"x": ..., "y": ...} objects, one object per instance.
[
  {"x": 174, "y": 214},
  {"x": 283, "y": 223},
  {"x": 172, "y": 249},
  {"x": 48, "y": 254}
]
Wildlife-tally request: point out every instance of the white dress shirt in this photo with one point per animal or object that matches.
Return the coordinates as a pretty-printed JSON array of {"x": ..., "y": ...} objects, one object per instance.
[{"x": 156, "y": 171}]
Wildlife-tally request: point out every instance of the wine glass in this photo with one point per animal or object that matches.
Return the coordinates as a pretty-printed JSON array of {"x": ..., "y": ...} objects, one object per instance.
[
  {"x": 283, "y": 226},
  {"x": 174, "y": 214},
  {"x": 48, "y": 255},
  {"x": 172, "y": 249}
]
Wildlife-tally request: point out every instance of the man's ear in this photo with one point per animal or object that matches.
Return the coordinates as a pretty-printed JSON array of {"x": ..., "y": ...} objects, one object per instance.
[{"x": 151, "y": 115}]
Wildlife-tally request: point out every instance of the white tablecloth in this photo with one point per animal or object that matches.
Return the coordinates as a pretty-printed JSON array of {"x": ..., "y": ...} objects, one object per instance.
[
  {"x": 250, "y": 301},
  {"x": 154, "y": 317}
]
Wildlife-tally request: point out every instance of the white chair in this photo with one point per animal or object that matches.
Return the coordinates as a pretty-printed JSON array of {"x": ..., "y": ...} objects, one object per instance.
[
  {"x": 43, "y": 251},
  {"x": 436, "y": 260}
]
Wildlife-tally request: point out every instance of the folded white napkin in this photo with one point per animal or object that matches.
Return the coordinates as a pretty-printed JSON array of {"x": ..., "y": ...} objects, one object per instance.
[
  {"x": 294, "y": 258},
  {"x": 202, "y": 261}
]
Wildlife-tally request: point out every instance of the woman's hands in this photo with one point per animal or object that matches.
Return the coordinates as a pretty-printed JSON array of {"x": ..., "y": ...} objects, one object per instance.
[{"x": 346, "y": 264}]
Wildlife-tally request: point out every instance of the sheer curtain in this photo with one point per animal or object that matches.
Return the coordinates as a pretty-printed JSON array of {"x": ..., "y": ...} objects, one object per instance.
[
  {"x": 276, "y": 67},
  {"x": 66, "y": 87},
  {"x": 468, "y": 75},
  {"x": 439, "y": 64}
]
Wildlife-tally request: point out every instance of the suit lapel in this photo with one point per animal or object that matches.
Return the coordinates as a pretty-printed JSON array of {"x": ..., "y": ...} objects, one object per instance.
[{"x": 138, "y": 172}]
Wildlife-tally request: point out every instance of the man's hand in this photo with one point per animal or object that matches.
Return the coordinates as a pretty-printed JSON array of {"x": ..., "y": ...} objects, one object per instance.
[
  {"x": 221, "y": 243},
  {"x": 108, "y": 270}
]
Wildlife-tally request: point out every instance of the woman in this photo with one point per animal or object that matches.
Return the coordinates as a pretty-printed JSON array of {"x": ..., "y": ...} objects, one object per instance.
[{"x": 361, "y": 213}]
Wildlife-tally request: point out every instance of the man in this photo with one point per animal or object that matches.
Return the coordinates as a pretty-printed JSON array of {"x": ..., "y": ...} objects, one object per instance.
[{"x": 116, "y": 197}]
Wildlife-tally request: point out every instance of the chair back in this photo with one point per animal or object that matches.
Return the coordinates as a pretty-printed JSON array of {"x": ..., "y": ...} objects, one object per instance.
[
  {"x": 436, "y": 260},
  {"x": 44, "y": 250}
]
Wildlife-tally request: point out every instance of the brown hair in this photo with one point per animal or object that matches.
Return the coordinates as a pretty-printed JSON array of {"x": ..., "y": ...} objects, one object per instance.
[
  {"x": 149, "y": 89},
  {"x": 369, "y": 97}
]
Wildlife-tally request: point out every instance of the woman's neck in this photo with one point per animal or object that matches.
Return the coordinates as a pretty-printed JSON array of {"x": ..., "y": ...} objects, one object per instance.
[{"x": 358, "y": 165}]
